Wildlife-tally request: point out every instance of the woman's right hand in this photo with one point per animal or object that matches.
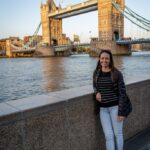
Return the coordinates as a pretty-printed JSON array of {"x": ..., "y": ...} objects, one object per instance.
[{"x": 98, "y": 97}]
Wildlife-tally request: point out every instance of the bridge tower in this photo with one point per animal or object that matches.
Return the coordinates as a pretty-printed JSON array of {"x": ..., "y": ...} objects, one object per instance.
[
  {"x": 51, "y": 28},
  {"x": 45, "y": 23},
  {"x": 111, "y": 22},
  {"x": 110, "y": 28}
]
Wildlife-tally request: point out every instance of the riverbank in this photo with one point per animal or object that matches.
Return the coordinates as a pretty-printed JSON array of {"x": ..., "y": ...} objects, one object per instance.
[{"x": 3, "y": 57}]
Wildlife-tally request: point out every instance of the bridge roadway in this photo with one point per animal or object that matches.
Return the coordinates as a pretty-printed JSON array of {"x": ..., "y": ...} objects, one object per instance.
[
  {"x": 128, "y": 42},
  {"x": 16, "y": 49},
  {"x": 73, "y": 10},
  {"x": 65, "y": 47},
  {"x": 23, "y": 50},
  {"x": 120, "y": 42}
]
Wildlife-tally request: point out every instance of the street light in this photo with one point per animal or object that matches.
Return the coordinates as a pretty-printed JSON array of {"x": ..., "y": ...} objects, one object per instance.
[{"x": 90, "y": 32}]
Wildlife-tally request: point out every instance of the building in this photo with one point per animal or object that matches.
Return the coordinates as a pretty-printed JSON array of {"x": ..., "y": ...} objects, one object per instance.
[
  {"x": 2, "y": 47},
  {"x": 3, "y": 44},
  {"x": 15, "y": 40},
  {"x": 76, "y": 39},
  {"x": 146, "y": 46},
  {"x": 65, "y": 39},
  {"x": 34, "y": 40},
  {"x": 136, "y": 47}
]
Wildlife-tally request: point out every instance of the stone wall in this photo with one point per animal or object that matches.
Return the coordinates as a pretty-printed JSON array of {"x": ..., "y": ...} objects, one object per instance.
[{"x": 65, "y": 120}]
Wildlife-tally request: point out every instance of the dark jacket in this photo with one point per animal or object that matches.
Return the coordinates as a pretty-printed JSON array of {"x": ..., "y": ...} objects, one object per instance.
[{"x": 124, "y": 105}]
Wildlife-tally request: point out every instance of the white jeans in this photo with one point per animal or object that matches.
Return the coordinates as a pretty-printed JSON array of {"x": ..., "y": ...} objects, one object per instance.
[{"x": 111, "y": 127}]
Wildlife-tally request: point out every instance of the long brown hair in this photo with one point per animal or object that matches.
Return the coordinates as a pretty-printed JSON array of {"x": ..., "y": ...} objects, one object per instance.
[{"x": 114, "y": 70}]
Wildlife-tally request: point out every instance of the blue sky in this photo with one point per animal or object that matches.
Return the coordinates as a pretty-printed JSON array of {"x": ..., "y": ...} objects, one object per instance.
[{"x": 21, "y": 17}]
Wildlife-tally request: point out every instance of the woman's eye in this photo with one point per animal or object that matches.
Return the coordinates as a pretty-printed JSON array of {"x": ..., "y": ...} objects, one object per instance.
[{"x": 104, "y": 58}]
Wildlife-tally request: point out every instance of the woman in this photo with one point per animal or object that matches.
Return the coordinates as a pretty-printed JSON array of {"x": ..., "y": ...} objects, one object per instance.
[{"x": 110, "y": 92}]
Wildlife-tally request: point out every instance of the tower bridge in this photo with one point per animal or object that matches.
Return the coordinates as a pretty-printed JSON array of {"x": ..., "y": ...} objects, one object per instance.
[
  {"x": 110, "y": 24},
  {"x": 111, "y": 14}
]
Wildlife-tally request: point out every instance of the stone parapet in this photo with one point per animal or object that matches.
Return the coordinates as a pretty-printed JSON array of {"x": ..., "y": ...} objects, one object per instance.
[{"x": 65, "y": 120}]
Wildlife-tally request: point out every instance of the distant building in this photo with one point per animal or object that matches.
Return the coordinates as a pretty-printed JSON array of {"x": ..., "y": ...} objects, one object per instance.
[
  {"x": 76, "y": 39},
  {"x": 2, "y": 47},
  {"x": 65, "y": 40},
  {"x": 15, "y": 40},
  {"x": 34, "y": 40},
  {"x": 3, "y": 44},
  {"x": 94, "y": 39},
  {"x": 2, "y": 53},
  {"x": 146, "y": 46},
  {"x": 135, "y": 47},
  {"x": 143, "y": 46}
]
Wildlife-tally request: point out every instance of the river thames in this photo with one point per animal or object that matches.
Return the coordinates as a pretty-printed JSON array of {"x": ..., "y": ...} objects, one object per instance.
[{"x": 24, "y": 77}]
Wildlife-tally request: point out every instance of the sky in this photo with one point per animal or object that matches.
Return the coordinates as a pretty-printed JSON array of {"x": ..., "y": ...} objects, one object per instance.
[{"x": 21, "y": 18}]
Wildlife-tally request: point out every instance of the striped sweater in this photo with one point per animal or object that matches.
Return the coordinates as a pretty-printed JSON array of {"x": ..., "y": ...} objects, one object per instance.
[
  {"x": 119, "y": 88},
  {"x": 106, "y": 88}
]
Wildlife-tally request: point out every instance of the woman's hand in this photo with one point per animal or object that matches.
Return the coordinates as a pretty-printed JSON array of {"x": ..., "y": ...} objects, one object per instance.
[
  {"x": 120, "y": 118},
  {"x": 98, "y": 97}
]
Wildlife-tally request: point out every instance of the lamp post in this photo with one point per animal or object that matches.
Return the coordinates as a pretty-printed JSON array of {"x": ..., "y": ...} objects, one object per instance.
[{"x": 90, "y": 32}]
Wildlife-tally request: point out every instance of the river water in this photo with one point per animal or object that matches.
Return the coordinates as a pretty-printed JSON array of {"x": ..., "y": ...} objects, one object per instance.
[{"x": 24, "y": 77}]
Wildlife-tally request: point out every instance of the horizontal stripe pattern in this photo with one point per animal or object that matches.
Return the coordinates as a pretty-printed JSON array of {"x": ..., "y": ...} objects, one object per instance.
[{"x": 107, "y": 89}]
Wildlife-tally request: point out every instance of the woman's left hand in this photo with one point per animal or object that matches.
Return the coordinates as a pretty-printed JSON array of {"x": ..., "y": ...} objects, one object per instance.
[{"x": 120, "y": 118}]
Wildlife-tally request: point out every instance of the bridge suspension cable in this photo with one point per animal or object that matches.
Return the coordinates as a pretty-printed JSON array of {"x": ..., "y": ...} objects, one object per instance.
[
  {"x": 141, "y": 18},
  {"x": 131, "y": 16},
  {"x": 138, "y": 18}
]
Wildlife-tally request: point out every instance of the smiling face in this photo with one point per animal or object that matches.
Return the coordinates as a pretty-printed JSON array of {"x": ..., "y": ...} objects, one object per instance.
[{"x": 105, "y": 60}]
